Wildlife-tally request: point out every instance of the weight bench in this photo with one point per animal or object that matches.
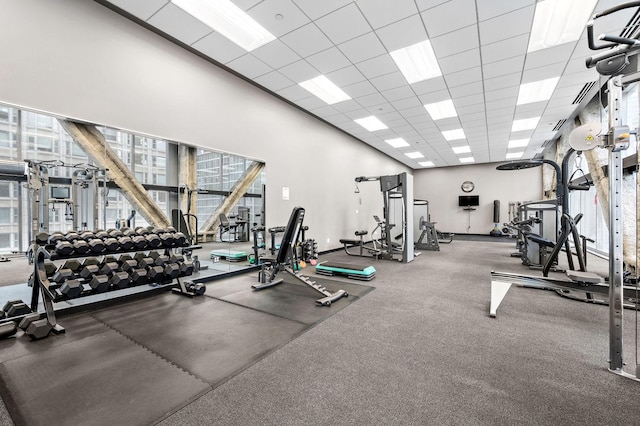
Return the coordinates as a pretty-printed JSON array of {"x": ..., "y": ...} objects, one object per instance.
[
  {"x": 355, "y": 243},
  {"x": 287, "y": 259}
]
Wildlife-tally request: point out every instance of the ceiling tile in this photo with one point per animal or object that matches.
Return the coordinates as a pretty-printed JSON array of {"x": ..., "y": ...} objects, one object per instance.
[
  {"x": 314, "y": 9},
  {"x": 504, "y": 93},
  {"x": 438, "y": 19},
  {"x": 505, "y": 26},
  {"x": 502, "y": 81},
  {"x": 398, "y": 93},
  {"x": 470, "y": 109},
  {"x": 333, "y": 24},
  {"x": 377, "y": 66},
  {"x": 455, "y": 42},
  {"x": 402, "y": 33},
  {"x": 428, "y": 4},
  {"x": 432, "y": 97},
  {"x": 427, "y": 86},
  {"x": 466, "y": 90},
  {"x": 504, "y": 49},
  {"x": 541, "y": 73},
  {"x": 389, "y": 81},
  {"x": 307, "y": 40},
  {"x": 274, "y": 81},
  {"x": 552, "y": 55},
  {"x": 361, "y": 48},
  {"x": 299, "y": 71},
  {"x": 179, "y": 24},
  {"x": 504, "y": 67},
  {"x": 346, "y": 76},
  {"x": 491, "y": 8},
  {"x": 294, "y": 93},
  {"x": 461, "y": 61},
  {"x": 219, "y": 48},
  {"x": 349, "y": 106},
  {"x": 371, "y": 100},
  {"x": 267, "y": 14},
  {"x": 328, "y": 60},
  {"x": 463, "y": 77},
  {"x": 383, "y": 12},
  {"x": 311, "y": 103},
  {"x": 417, "y": 111},
  {"x": 249, "y": 66},
  {"x": 141, "y": 9},
  {"x": 359, "y": 89},
  {"x": 246, "y": 4},
  {"x": 276, "y": 54}
]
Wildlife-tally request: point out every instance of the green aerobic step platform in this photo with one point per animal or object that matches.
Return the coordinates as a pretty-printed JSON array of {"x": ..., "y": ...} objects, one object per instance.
[
  {"x": 366, "y": 273},
  {"x": 230, "y": 255}
]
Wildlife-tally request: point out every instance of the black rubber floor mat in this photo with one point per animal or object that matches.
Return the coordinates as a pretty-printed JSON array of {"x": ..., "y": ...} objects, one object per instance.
[
  {"x": 294, "y": 300},
  {"x": 211, "y": 339},
  {"x": 105, "y": 379}
]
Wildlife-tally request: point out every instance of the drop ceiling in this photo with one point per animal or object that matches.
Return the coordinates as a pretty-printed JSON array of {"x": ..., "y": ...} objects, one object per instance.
[{"x": 480, "y": 45}]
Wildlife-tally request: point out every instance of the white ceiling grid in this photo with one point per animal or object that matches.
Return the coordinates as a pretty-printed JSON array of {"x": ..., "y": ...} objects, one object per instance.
[{"x": 480, "y": 45}]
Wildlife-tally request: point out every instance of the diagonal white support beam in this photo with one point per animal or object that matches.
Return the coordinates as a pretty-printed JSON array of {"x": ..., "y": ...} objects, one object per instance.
[{"x": 93, "y": 143}]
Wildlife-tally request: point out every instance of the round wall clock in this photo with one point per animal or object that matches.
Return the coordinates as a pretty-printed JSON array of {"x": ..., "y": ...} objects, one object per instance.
[{"x": 467, "y": 186}]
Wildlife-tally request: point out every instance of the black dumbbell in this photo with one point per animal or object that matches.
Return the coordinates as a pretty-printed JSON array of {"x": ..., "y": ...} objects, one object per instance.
[
  {"x": 141, "y": 230},
  {"x": 123, "y": 257},
  {"x": 87, "y": 235},
  {"x": 42, "y": 238},
  {"x": 156, "y": 273},
  {"x": 172, "y": 270},
  {"x": 61, "y": 275},
  {"x": 128, "y": 265},
  {"x": 102, "y": 234},
  {"x": 146, "y": 262},
  {"x": 7, "y": 329},
  {"x": 14, "y": 308},
  {"x": 138, "y": 276},
  {"x": 115, "y": 233},
  {"x": 119, "y": 280},
  {"x": 49, "y": 268},
  {"x": 96, "y": 245},
  {"x": 198, "y": 288},
  {"x": 181, "y": 239},
  {"x": 99, "y": 283},
  {"x": 186, "y": 268},
  {"x": 111, "y": 244},
  {"x": 35, "y": 327},
  {"x": 126, "y": 243},
  {"x": 62, "y": 246},
  {"x": 91, "y": 261},
  {"x": 128, "y": 232},
  {"x": 73, "y": 264},
  {"x": 139, "y": 242},
  {"x": 153, "y": 241},
  {"x": 71, "y": 236},
  {"x": 89, "y": 271},
  {"x": 80, "y": 247},
  {"x": 109, "y": 268},
  {"x": 161, "y": 260},
  {"x": 168, "y": 239},
  {"x": 71, "y": 288}
]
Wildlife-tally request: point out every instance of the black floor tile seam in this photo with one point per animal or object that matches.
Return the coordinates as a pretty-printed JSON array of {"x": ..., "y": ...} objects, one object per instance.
[
  {"x": 256, "y": 310},
  {"x": 137, "y": 343}
]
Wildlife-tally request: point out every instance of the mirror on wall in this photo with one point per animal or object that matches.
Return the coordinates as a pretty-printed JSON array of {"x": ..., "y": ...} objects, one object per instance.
[{"x": 36, "y": 150}]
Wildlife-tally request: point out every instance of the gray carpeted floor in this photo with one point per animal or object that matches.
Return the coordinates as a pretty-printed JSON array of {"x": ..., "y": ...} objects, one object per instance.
[{"x": 422, "y": 349}]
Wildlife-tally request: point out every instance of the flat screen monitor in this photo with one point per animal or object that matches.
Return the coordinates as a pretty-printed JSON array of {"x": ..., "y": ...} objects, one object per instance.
[
  {"x": 468, "y": 200},
  {"x": 60, "y": 192}
]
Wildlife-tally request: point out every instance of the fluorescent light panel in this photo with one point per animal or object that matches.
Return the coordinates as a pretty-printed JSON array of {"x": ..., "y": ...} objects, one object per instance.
[
  {"x": 440, "y": 110},
  {"x": 525, "y": 124},
  {"x": 537, "y": 91},
  {"x": 467, "y": 160},
  {"x": 229, "y": 20},
  {"x": 559, "y": 21},
  {"x": 461, "y": 149},
  {"x": 371, "y": 123},
  {"x": 397, "y": 142},
  {"x": 426, "y": 163},
  {"x": 417, "y": 62},
  {"x": 415, "y": 154},
  {"x": 514, "y": 155},
  {"x": 517, "y": 143},
  {"x": 324, "y": 88},
  {"x": 452, "y": 135}
]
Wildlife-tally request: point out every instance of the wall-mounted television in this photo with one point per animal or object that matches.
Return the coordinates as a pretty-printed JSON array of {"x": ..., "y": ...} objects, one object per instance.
[
  {"x": 468, "y": 200},
  {"x": 60, "y": 192}
]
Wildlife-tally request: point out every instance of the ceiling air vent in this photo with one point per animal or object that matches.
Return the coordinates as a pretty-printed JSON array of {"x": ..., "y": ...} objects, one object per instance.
[
  {"x": 560, "y": 124},
  {"x": 583, "y": 92},
  {"x": 632, "y": 26}
]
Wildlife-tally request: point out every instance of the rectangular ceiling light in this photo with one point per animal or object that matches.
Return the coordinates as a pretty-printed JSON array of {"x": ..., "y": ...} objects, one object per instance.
[
  {"x": 537, "y": 91},
  {"x": 467, "y": 160},
  {"x": 461, "y": 149},
  {"x": 559, "y": 21},
  {"x": 229, "y": 20},
  {"x": 426, "y": 163},
  {"x": 371, "y": 123},
  {"x": 417, "y": 62},
  {"x": 517, "y": 143},
  {"x": 525, "y": 124},
  {"x": 415, "y": 154},
  {"x": 452, "y": 135},
  {"x": 440, "y": 110},
  {"x": 397, "y": 142},
  {"x": 514, "y": 155},
  {"x": 324, "y": 88}
]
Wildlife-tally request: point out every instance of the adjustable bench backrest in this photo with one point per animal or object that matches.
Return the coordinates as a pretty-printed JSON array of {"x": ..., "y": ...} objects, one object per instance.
[{"x": 291, "y": 232}]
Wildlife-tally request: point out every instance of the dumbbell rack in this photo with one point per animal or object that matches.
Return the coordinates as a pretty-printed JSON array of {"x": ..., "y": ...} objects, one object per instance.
[{"x": 50, "y": 291}]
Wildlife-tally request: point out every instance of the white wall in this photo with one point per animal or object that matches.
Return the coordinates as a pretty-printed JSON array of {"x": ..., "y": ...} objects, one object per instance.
[
  {"x": 441, "y": 187},
  {"x": 77, "y": 59}
]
